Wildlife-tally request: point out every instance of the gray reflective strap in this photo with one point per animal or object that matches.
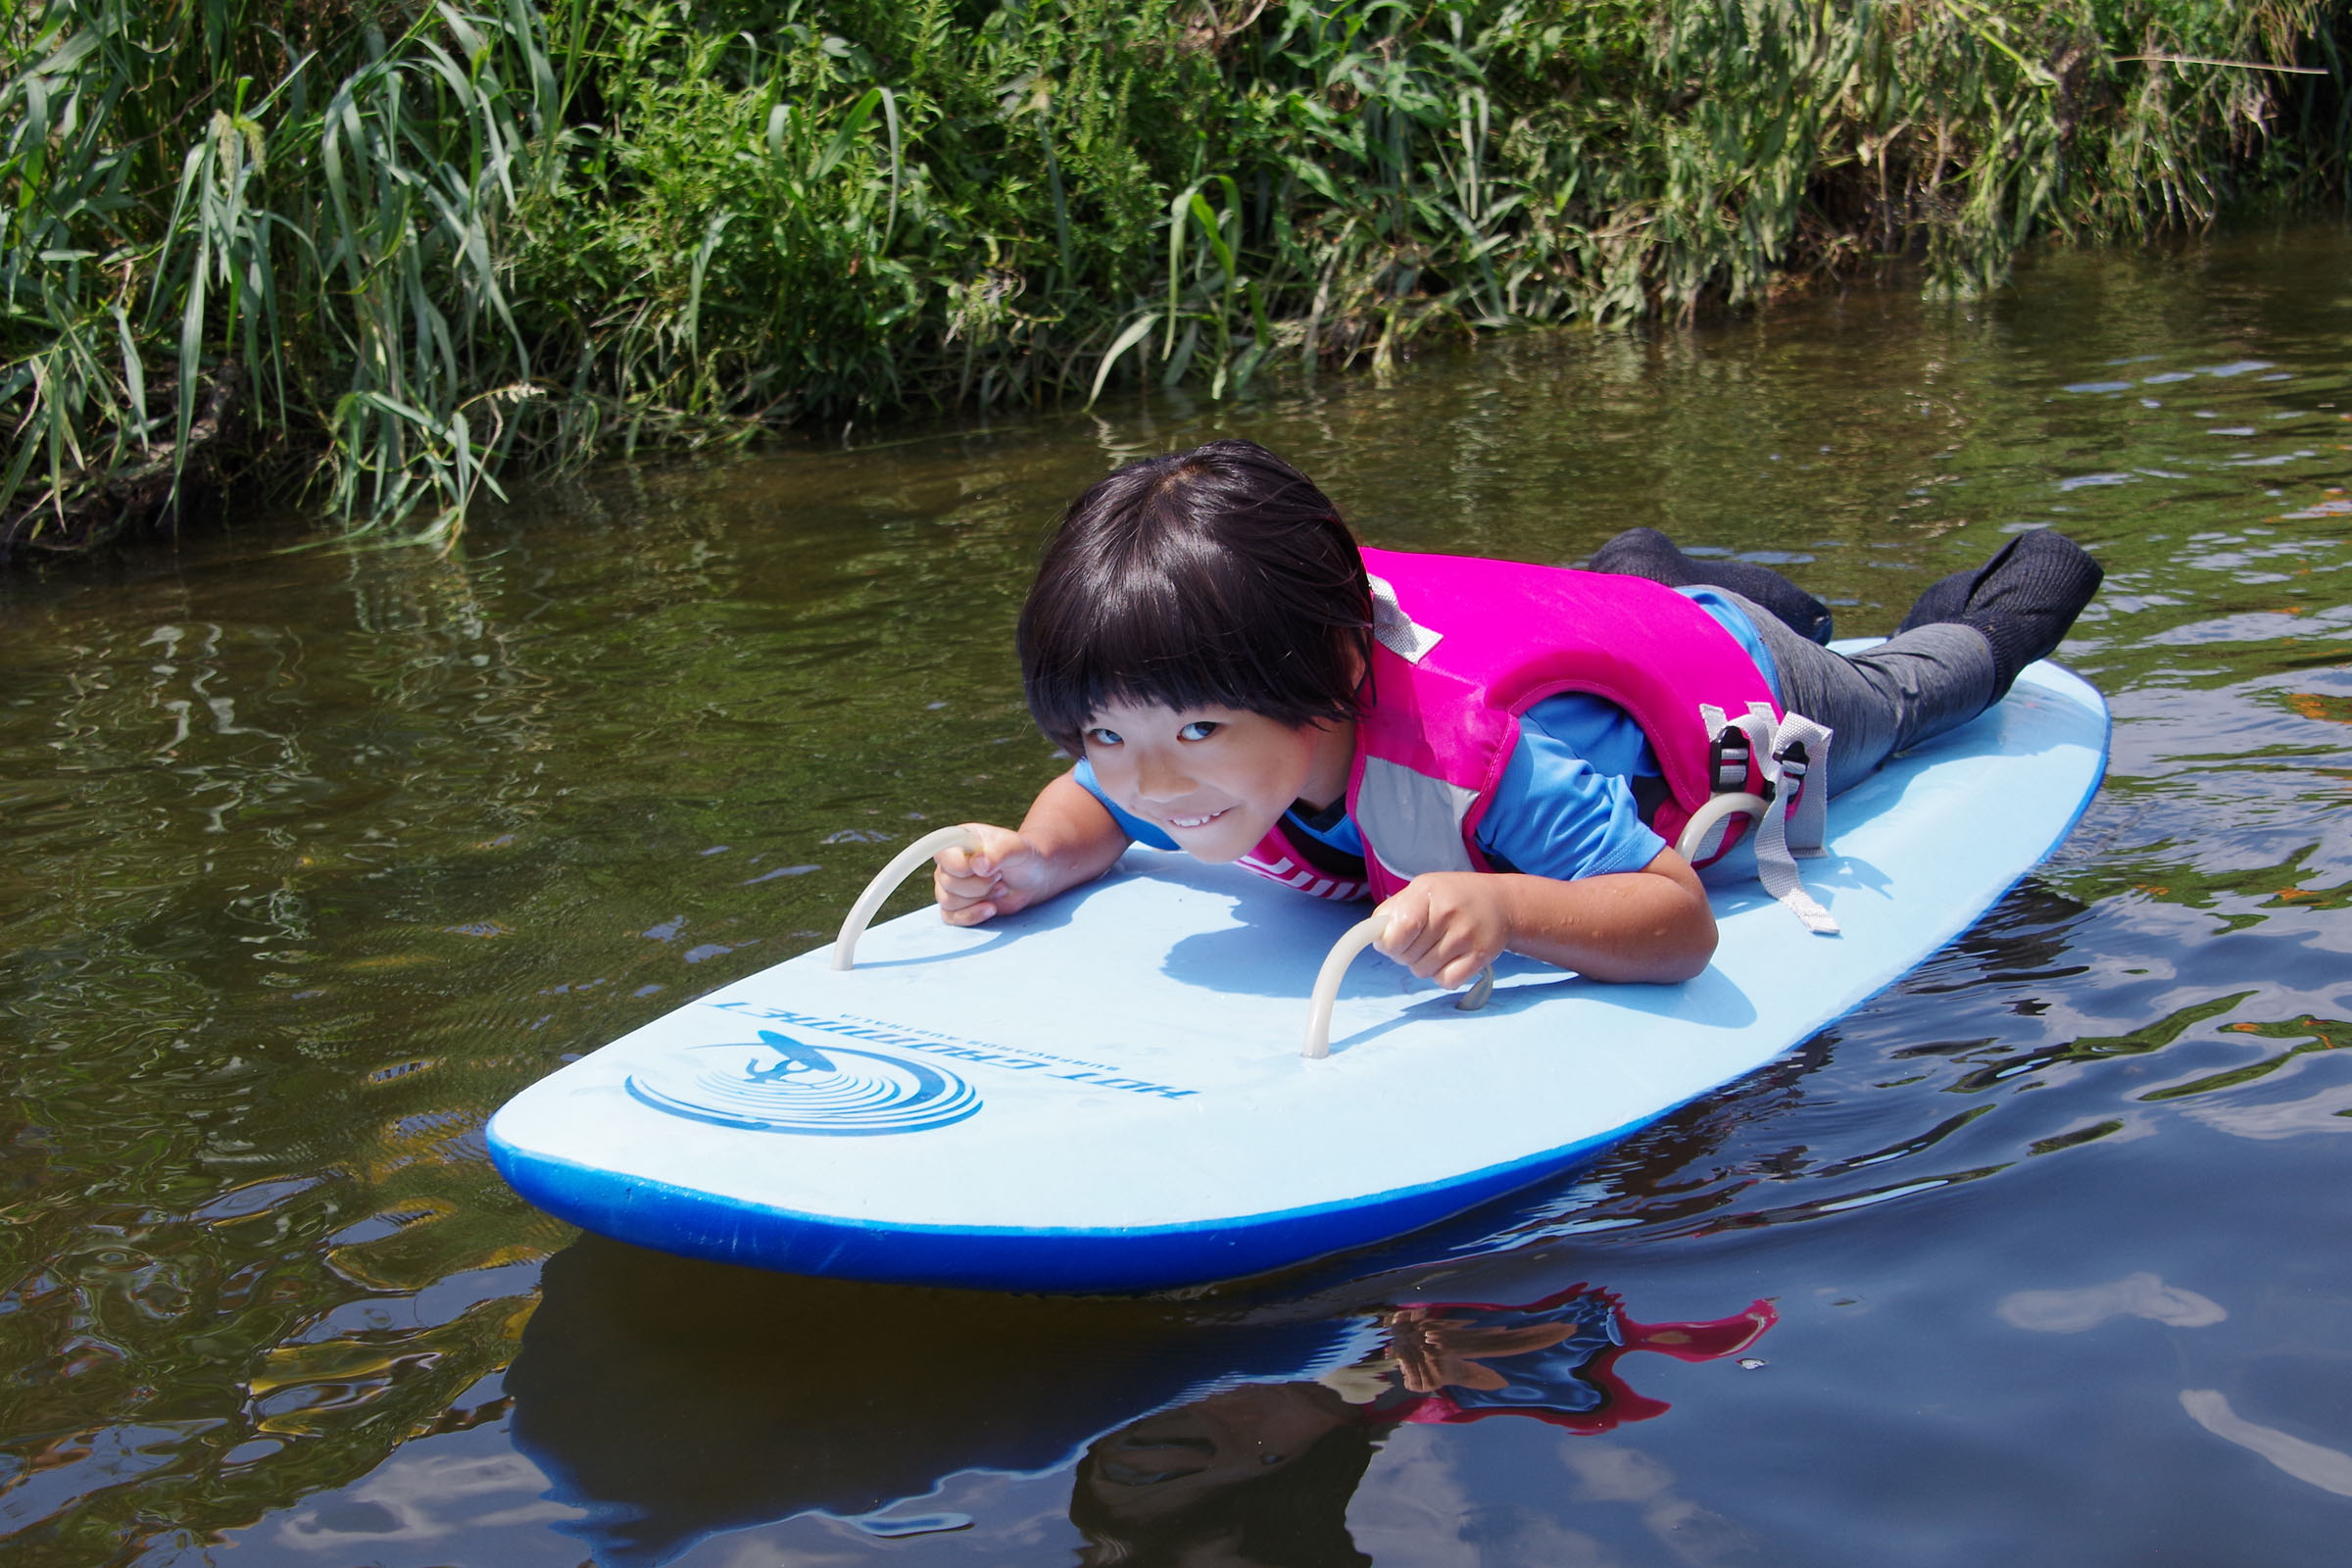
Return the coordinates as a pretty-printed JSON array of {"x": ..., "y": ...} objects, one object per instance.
[
  {"x": 1702, "y": 834},
  {"x": 1793, "y": 763},
  {"x": 1755, "y": 725},
  {"x": 1728, "y": 750},
  {"x": 1794, "y": 757},
  {"x": 1809, "y": 812},
  {"x": 1412, "y": 821}
]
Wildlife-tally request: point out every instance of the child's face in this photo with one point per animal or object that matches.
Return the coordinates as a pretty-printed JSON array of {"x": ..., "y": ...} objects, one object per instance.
[
  {"x": 1165, "y": 1463},
  {"x": 1215, "y": 779}
]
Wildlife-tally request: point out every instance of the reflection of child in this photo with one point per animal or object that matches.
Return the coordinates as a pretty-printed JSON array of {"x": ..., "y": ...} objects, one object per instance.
[
  {"x": 1554, "y": 1360},
  {"x": 1258, "y": 1475},
  {"x": 1501, "y": 753},
  {"x": 1263, "y": 1473}
]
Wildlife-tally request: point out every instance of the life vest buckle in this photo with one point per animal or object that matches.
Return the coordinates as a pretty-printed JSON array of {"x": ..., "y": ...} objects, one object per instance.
[{"x": 1790, "y": 815}]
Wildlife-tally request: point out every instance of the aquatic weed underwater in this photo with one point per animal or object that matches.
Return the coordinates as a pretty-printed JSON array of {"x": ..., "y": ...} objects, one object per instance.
[{"x": 397, "y": 250}]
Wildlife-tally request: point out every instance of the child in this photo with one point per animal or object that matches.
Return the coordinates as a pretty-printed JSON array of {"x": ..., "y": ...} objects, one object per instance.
[{"x": 1204, "y": 634}]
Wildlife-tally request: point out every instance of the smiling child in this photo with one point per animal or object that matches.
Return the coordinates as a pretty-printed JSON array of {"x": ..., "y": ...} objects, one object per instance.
[{"x": 1502, "y": 754}]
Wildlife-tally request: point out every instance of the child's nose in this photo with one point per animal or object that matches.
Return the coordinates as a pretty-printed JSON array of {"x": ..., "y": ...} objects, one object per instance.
[{"x": 1159, "y": 778}]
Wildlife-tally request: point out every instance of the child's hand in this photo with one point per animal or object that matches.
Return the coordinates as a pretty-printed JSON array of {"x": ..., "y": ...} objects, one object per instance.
[
  {"x": 1654, "y": 925},
  {"x": 1066, "y": 839},
  {"x": 1446, "y": 925},
  {"x": 1006, "y": 873}
]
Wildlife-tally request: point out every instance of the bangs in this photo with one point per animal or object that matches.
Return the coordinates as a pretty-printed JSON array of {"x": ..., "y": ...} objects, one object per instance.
[{"x": 1191, "y": 581}]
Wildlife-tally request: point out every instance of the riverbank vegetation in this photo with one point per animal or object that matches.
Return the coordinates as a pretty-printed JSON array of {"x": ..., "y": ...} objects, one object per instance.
[{"x": 396, "y": 252}]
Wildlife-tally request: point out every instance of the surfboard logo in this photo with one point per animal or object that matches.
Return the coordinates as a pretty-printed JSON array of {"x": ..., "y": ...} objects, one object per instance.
[{"x": 788, "y": 1085}]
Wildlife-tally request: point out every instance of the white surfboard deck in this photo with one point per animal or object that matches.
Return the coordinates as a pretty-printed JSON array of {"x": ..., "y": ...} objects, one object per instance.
[{"x": 1107, "y": 1093}]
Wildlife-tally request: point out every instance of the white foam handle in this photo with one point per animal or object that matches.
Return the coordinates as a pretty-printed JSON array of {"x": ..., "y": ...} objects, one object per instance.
[
  {"x": 1358, "y": 938},
  {"x": 1700, "y": 829},
  {"x": 886, "y": 882}
]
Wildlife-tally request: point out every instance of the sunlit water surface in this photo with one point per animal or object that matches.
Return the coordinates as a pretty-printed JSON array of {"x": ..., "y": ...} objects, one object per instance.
[{"x": 313, "y": 858}]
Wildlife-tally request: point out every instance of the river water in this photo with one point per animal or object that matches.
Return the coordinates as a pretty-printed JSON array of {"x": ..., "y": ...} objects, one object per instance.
[{"x": 309, "y": 858}]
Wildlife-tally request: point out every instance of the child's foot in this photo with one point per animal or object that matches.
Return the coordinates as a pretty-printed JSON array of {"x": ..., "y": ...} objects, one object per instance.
[
  {"x": 1647, "y": 552},
  {"x": 1945, "y": 600},
  {"x": 2023, "y": 601}
]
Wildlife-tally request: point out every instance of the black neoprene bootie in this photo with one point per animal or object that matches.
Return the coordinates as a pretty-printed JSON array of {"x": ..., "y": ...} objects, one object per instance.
[
  {"x": 1945, "y": 600},
  {"x": 2023, "y": 601},
  {"x": 1647, "y": 552}
]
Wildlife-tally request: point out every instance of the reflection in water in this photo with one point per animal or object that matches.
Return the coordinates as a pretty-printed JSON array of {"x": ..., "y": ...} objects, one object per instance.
[
  {"x": 2140, "y": 1295},
  {"x": 424, "y": 1499},
  {"x": 2329, "y": 1469},
  {"x": 669, "y": 1400},
  {"x": 672, "y": 1398},
  {"x": 1262, "y": 1474}
]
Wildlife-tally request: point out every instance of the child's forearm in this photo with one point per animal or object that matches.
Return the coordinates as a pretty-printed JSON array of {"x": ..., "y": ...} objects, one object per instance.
[
  {"x": 1074, "y": 836},
  {"x": 1650, "y": 925}
]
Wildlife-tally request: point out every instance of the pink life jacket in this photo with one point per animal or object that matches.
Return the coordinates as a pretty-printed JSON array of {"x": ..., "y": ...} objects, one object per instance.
[{"x": 1463, "y": 647}]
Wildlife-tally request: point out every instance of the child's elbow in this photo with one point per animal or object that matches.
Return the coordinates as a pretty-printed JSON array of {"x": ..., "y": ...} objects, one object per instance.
[
  {"x": 1690, "y": 949},
  {"x": 1682, "y": 942},
  {"x": 1687, "y": 963}
]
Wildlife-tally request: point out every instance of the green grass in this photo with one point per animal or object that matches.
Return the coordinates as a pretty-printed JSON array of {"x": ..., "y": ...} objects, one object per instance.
[{"x": 392, "y": 251}]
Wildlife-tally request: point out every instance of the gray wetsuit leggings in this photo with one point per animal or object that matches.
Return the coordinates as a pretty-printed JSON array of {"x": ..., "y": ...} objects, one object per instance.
[{"x": 1910, "y": 687}]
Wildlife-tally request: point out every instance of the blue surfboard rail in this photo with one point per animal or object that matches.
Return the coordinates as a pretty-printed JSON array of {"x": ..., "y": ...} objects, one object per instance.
[{"x": 1106, "y": 1093}]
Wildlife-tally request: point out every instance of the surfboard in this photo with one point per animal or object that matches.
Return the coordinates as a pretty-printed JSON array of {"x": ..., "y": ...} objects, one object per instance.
[{"x": 1107, "y": 1093}]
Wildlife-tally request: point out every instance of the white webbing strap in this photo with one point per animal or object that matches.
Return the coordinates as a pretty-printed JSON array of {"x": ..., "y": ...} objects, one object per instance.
[
  {"x": 1796, "y": 764},
  {"x": 1757, "y": 724},
  {"x": 1794, "y": 757},
  {"x": 1809, "y": 812},
  {"x": 1711, "y": 717}
]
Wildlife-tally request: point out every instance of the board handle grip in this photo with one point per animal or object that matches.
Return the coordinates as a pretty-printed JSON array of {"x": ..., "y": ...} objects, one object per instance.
[
  {"x": 1700, "y": 829},
  {"x": 886, "y": 882},
  {"x": 1358, "y": 937}
]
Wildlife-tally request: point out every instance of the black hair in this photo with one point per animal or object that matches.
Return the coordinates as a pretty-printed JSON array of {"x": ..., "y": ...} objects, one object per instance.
[
  {"x": 1219, "y": 576},
  {"x": 1293, "y": 1517}
]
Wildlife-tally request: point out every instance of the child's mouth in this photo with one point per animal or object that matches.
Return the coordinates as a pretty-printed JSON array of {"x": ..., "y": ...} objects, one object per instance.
[{"x": 1195, "y": 822}]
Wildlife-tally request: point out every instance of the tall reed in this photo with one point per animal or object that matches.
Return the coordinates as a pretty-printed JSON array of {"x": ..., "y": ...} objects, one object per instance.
[{"x": 400, "y": 248}]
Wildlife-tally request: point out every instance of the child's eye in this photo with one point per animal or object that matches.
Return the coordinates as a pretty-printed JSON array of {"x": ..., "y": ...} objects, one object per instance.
[
  {"x": 1199, "y": 729},
  {"x": 1102, "y": 736}
]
